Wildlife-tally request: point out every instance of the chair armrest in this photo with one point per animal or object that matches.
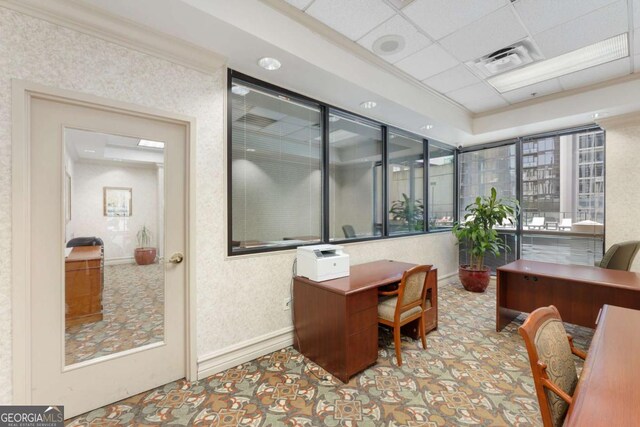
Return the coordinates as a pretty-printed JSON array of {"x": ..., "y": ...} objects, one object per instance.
[
  {"x": 546, "y": 382},
  {"x": 388, "y": 293},
  {"x": 581, "y": 354}
]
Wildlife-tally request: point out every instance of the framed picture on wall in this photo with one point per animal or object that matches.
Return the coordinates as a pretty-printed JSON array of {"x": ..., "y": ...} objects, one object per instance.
[
  {"x": 67, "y": 197},
  {"x": 117, "y": 201}
]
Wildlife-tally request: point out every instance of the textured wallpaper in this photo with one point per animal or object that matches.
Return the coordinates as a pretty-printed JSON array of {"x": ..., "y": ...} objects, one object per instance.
[
  {"x": 239, "y": 298},
  {"x": 622, "y": 197}
]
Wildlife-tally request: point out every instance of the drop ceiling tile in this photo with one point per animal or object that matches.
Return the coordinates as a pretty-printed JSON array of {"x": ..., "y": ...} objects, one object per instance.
[
  {"x": 593, "y": 27},
  {"x": 495, "y": 31},
  {"x": 414, "y": 40},
  {"x": 353, "y": 18},
  {"x": 300, "y": 4},
  {"x": 540, "y": 89},
  {"x": 427, "y": 62},
  {"x": 478, "y": 97},
  {"x": 596, "y": 74},
  {"x": 442, "y": 17},
  {"x": 541, "y": 15},
  {"x": 455, "y": 78},
  {"x": 281, "y": 128}
]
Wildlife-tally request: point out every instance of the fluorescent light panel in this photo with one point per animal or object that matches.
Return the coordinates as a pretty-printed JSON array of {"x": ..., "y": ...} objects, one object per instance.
[
  {"x": 150, "y": 144},
  {"x": 589, "y": 56}
]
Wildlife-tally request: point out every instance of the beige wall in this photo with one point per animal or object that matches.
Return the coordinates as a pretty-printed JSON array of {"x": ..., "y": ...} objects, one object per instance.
[
  {"x": 622, "y": 195},
  {"x": 239, "y": 299}
]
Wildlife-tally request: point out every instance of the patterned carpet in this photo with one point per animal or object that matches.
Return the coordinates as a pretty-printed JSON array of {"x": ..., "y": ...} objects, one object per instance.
[
  {"x": 469, "y": 376},
  {"x": 133, "y": 307}
]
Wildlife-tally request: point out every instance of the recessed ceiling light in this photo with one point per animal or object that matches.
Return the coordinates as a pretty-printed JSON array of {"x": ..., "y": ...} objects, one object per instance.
[
  {"x": 368, "y": 104},
  {"x": 251, "y": 150},
  {"x": 270, "y": 64},
  {"x": 151, "y": 144},
  {"x": 599, "y": 115},
  {"x": 589, "y": 56},
  {"x": 427, "y": 127},
  {"x": 388, "y": 45},
  {"x": 240, "y": 90}
]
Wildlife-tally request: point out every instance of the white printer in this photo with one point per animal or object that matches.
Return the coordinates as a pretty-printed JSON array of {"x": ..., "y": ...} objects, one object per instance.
[{"x": 322, "y": 262}]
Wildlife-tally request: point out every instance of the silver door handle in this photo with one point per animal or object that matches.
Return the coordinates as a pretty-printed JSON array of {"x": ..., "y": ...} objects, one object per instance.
[{"x": 176, "y": 258}]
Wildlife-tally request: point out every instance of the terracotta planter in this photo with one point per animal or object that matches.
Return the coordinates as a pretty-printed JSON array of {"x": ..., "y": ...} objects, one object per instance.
[
  {"x": 474, "y": 280},
  {"x": 145, "y": 256}
]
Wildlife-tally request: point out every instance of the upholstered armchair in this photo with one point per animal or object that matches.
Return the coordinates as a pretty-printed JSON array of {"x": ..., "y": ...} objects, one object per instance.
[
  {"x": 620, "y": 255},
  {"x": 551, "y": 353},
  {"x": 405, "y": 304}
]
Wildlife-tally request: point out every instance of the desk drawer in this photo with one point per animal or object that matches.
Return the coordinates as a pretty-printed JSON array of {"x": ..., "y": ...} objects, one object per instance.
[
  {"x": 362, "y": 319},
  {"x": 362, "y": 350},
  {"x": 362, "y": 300}
]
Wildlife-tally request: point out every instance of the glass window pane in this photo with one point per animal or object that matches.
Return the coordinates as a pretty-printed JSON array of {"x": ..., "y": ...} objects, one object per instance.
[
  {"x": 355, "y": 178},
  {"x": 406, "y": 184},
  {"x": 276, "y": 175},
  {"x": 441, "y": 191}
]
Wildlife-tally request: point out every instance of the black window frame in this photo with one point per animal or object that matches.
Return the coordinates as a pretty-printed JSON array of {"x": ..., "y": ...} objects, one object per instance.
[{"x": 325, "y": 110}]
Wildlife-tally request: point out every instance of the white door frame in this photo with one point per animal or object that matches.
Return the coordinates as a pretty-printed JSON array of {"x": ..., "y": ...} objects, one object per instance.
[{"x": 22, "y": 93}]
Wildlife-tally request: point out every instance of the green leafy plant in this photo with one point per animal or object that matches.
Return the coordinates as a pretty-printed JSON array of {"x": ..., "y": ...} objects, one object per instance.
[
  {"x": 144, "y": 237},
  {"x": 409, "y": 212},
  {"x": 478, "y": 231}
]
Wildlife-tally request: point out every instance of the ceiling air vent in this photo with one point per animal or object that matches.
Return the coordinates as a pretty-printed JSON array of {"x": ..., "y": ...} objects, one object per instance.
[
  {"x": 505, "y": 59},
  {"x": 255, "y": 120}
]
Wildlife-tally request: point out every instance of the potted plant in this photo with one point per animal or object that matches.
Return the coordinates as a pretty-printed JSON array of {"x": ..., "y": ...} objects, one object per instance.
[
  {"x": 410, "y": 213},
  {"x": 477, "y": 231},
  {"x": 144, "y": 253}
]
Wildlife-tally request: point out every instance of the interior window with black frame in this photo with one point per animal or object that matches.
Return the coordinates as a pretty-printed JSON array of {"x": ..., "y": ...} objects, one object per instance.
[
  {"x": 275, "y": 169},
  {"x": 406, "y": 184},
  {"x": 441, "y": 188},
  {"x": 355, "y": 177}
]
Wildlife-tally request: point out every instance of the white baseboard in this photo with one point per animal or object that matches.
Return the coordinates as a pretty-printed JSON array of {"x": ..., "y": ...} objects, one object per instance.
[{"x": 245, "y": 351}]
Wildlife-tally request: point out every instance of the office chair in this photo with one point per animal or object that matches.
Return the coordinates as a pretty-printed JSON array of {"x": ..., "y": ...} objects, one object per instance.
[
  {"x": 85, "y": 241},
  {"x": 405, "y": 304},
  {"x": 620, "y": 255},
  {"x": 550, "y": 355},
  {"x": 348, "y": 231}
]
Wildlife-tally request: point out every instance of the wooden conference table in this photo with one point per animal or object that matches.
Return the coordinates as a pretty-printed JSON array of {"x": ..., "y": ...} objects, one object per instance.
[
  {"x": 608, "y": 392},
  {"x": 578, "y": 291},
  {"x": 336, "y": 321}
]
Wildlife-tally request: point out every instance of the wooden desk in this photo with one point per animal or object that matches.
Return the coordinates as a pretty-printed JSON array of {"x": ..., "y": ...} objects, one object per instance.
[
  {"x": 83, "y": 285},
  {"x": 336, "y": 321},
  {"x": 608, "y": 392},
  {"x": 577, "y": 291}
]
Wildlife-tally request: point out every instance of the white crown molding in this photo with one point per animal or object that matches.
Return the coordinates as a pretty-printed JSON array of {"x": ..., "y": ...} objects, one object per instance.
[{"x": 93, "y": 21}]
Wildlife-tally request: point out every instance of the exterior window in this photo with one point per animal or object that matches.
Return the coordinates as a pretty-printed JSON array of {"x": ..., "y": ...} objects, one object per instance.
[
  {"x": 441, "y": 191},
  {"x": 276, "y": 175},
  {"x": 406, "y": 184},
  {"x": 355, "y": 178}
]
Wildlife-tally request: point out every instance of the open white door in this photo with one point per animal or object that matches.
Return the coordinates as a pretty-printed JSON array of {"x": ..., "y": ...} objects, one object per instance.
[{"x": 103, "y": 327}]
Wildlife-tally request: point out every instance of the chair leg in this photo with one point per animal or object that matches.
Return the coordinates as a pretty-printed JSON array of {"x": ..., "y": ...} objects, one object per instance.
[
  {"x": 423, "y": 335},
  {"x": 396, "y": 342}
]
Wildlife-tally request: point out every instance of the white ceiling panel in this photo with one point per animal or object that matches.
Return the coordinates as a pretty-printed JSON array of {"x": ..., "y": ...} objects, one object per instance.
[
  {"x": 478, "y": 97},
  {"x": 428, "y": 62},
  {"x": 281, "y": 128},
  {"x": 353, "y": 18},
  {"x": 600, "y": 73},
  {"x": 300, "y": 4},
  {"x": 414, "y": 40},
  {"x": 442, "y": 17},
  {"x": 455, "y": 78},
  {"x": 540, "y": 89},
  {"x": 541, "y": 15},
  {"x": 593, "y": 27},
  {"x": 495, "y": 31}
]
